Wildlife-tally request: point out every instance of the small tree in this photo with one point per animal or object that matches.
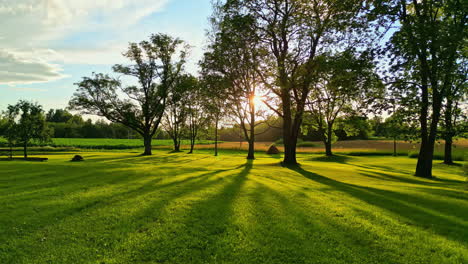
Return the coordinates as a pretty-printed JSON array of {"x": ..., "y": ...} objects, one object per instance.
[
  {"x": 157, "y": 64},
  {"x": 7, "y": 131},
  {"x": 26, "y": 121},
  {"x": 215, "y": 104},
  {"x": 197, "y": 111},
  {"x": 454, "y": 117},
  {"x": 345, "y": 83},
  {"x": 177, "y": 111}
]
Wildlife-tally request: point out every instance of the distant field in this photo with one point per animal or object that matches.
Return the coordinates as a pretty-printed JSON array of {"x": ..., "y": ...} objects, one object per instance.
[
  {"x": 350, "y": 147},
  {"x": 359, "y": 147},
  {"x": 105, "y": 143}
]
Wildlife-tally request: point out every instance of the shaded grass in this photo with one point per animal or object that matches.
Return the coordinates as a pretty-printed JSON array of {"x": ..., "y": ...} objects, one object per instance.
[{"x": 180, "y": 208}]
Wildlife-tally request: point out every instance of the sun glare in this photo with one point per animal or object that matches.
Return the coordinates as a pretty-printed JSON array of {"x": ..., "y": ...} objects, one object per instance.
[{"x": 258, "y": 100}]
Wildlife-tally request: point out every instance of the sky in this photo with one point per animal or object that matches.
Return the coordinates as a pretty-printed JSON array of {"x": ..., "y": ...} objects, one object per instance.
[{"x": 48, "y": 45}]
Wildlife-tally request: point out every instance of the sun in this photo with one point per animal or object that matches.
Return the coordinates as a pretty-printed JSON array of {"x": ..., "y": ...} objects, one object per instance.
[{"x": 257, "y": 100}]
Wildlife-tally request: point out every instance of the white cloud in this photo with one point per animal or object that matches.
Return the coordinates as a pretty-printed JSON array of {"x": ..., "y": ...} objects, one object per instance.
[
  {"x": 31, "y": 22},
  {"x": 30, "y": 28},
  {"x": 15, "y": 69}
]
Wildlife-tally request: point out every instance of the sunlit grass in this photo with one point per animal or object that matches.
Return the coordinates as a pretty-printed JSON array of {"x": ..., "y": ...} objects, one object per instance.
[{"x": 181, "y": 208}]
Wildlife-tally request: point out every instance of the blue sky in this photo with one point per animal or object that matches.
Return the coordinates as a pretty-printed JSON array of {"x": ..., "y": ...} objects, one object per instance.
[{"x": 48, "y": 45}]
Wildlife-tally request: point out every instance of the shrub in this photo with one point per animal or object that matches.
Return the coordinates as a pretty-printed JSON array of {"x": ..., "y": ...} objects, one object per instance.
[
  {"x": 273, "y": 150},
  {"x": 77, "y": 158}
]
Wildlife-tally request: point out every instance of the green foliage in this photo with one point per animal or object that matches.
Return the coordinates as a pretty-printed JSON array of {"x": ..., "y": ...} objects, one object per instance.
[
  {"x": 179, "y": 208},
  {"x": 58, "y": 116},
  {"x": 157, "y": 65},
  {"x": 25, "y": 121},
  {"x": 353, "y": 127}
]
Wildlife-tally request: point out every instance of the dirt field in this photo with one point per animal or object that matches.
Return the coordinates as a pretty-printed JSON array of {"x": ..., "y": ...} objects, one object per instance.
[{"x": 346, "y": 146}]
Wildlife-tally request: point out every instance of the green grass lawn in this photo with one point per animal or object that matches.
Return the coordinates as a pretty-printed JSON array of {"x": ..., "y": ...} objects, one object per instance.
[{"x": 180, "y": 208}]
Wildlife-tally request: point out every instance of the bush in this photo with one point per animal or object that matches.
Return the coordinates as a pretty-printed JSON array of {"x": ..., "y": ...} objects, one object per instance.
[
  {"x": 273, "y": 150},
  {"x": 77, "y": 158}
]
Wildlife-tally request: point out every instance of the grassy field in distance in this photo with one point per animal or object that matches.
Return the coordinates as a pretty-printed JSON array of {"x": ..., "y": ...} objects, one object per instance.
[
  {"x": 105, "y": 143},
  {"x": 347, "y": 147},
  {"x": 122, "y": 208}
]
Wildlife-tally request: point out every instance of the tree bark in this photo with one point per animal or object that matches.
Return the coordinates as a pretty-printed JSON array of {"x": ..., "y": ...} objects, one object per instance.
[
  {"x": 289, "y": 137},
  {"x": 216, "y": 136},
  {"x": 448, "y": 133},
  {"x": 448, "y": 151},
  {"x": 251, "y": 153},
  {"x": 192, "y": 142},
  {"x": 251, "y": 139},
  {"x": 328, "y": 140},
  {"x": 176, "y": 144},
  {"x": 422, "y": 165},
  {"x": 426, "y": 153},
  {"x": 147, "y": 142}
]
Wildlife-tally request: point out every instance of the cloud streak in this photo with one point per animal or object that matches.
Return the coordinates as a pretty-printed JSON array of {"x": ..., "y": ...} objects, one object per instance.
[{"x": 15, "y": 69}]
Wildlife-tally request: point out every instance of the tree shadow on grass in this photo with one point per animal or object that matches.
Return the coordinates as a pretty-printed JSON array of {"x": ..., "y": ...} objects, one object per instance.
[
  {"x": 87, "y": 213},
  {"x": 335, "y": 158},
  {"x": 444, "y": 218},
  {"x": 411, "y": 179},
  {"x": 198, "y": 233},
  {"x": 296, "y": 231}
]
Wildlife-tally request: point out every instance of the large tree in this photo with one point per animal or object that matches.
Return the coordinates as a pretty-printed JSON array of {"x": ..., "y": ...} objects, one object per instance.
[
  {"x": 293, "y": 33},
  {"x": 157, "y": 64},
  {"x": 425, "y": 49}
]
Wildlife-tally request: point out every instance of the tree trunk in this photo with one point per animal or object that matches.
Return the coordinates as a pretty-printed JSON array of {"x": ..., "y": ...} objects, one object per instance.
[
  {"x": 448, "y": 150},
  {"x": 328, "y": 141},
  {"x": 25, "y": 150},
  {"x": 421, "y": 167},
  {"x": 448, "y": 132},
  {"x": 216, "y": 136},
  {"x": 251, "y": 139},
  {"x": 176, "y": 144},
  {"x": 192, "y": 145},
  {"x": 192, "y": 142},
  {"x": 394, "y": 147},
  {"x": 251, "y": 153},
  {"x": 147, "y": 142},
  {"x": 328, "y": 148},
  {"x": 289, "y": 137},
  {"x": 426, "y": 153}
]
